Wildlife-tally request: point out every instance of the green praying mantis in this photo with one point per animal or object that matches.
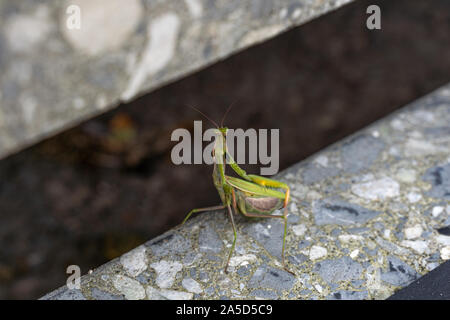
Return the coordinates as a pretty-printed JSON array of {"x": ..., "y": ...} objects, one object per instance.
[{"x": 251, "y": 195}]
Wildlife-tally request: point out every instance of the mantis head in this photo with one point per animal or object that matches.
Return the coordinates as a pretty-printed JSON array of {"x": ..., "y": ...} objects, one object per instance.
[{"x": 223, "y": 131}]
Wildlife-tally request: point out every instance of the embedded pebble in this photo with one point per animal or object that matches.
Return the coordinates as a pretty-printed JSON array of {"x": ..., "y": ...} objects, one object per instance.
[
  {"x": 334, "y": 211},
  {"x": 380, "y": 189},
  {"x": 346, "y": 238},
  {"x": 130, "y": 288},
  {"x": 437, "y": 211},
  {"x": 392, "y": 247},
  {"x": 104, "y": 25},
  {"x": 361, "y": 152},
  {"x": 69, "y": 294},
  {"x": 445, "y": 253},
  {"x": 162, "y": 35},
  {"x": 209, "y": 241},
  {"x": 413, "y": 232},
  {"x": 269, "y": 234},
  {"x": 263, "y": 294},
  {"x": 354, "y": 254},
  {"x": 269, "y": 277},
  {"x": 314, "y": 173},
  {"x": 419, "y": 246},
  {"x": 171, "y": 243},
  {"x": 243, "y": 260},
  {"x": 191, "y": 285},
  {"x": 195, "y": 8},
  {"x": 406, "y": 175},
  {"x": 397, "y": 124},
  {"x": 299, "y": 230},
  {"x": 24, "y": 32},
  {"x": 431, "y": 266},
  {"x": 398, "y": 272},
  {"x": 414, "y": 197},
  {"x": 166, "y": 272},
  {"x": 445, "y": 240},
  {"x": 341, "y": 269},
  {"x": 165, "y": 294},
  {"x": 135, "y": 261},
  {"x": 439, "y": 177},
  {"x": 317, "y": 252},
  {"x": 348, "y": 295},
  {"x": 318, "y": 288},
  {"x": 416, "y": 147},
  {"x": 321, "y": 160},
  {"x": 98, "y": 294}
]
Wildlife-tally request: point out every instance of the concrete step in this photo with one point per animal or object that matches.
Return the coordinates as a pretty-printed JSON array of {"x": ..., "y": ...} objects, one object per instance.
[
  {"x": 56, "y": 75},
  {"x": 368, "y": 216}
]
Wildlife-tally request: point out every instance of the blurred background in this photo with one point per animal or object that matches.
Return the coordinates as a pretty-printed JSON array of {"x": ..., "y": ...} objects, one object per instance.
[{"x": 100, "y": 189}]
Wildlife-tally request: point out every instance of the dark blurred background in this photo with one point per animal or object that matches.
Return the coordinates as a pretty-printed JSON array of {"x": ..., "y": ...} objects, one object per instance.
[{"x": 98, "y": 190}]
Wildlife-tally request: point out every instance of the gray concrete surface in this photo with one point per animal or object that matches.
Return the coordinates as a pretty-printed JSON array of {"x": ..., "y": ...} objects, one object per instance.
[
  {"x": 54, "y": 76},
  {"x": 368, "y": 216}
]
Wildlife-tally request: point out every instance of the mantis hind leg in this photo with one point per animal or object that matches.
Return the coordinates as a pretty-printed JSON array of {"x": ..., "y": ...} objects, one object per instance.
[
  {"x": 284, "y": 217},
  {"x": 230, "y": 213},
  {"x": 202, "y": 210}
]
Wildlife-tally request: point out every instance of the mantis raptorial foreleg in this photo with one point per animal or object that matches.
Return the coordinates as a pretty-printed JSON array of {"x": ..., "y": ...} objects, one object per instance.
[{"x": 262, "y": 181}]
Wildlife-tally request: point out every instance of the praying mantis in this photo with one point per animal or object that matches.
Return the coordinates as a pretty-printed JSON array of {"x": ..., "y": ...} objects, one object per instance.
[{"x": 251, "y": 195}]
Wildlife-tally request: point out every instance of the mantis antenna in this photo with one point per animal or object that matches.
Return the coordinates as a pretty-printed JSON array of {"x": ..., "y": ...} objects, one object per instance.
[
  {"x": 226, "y": 112},
  {"x": 208, "y": 118}
]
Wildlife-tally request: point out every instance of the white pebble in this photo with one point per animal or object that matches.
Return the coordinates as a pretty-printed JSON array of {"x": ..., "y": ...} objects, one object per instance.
[
  {"x": 415, "y": 147},
  {"x": 130, "y": 288},
  {"x": 195, "y": 8},
  {"x": 25, "y": 32},
  {"x": 413, "y": 232},
  {"x": 104, "y": 25},
  {"x": 161, "y": 47},
  {"x": 414, "y": 197},
  {"x": 166, "y": 272},
  {"x": 406, "y": 175},
  {"x": 317, "y": 252},
  {"x": 191, "y": 285},
  {"x": 321, "y": 160},
  {"x": 242, "y": 260},
  {"x": 419, "y": 246},
  {"x": 135, "y": 261},
  {"x": 437, "y": 211},
  {"x": 345, "y": 238},
  {"x": 299, "y": 230},
  {"x": 176, "y": 295},
  {"x": 398, "y": 125},
  {"x": 165, "y": 294},
  {"x": 445, "y": 240},
  {"x": 377, "y": 189},
  {"x": 318, "y": 288},
  {"x": 445, "y": 253},
  {"x": 354, "y": 254}
]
